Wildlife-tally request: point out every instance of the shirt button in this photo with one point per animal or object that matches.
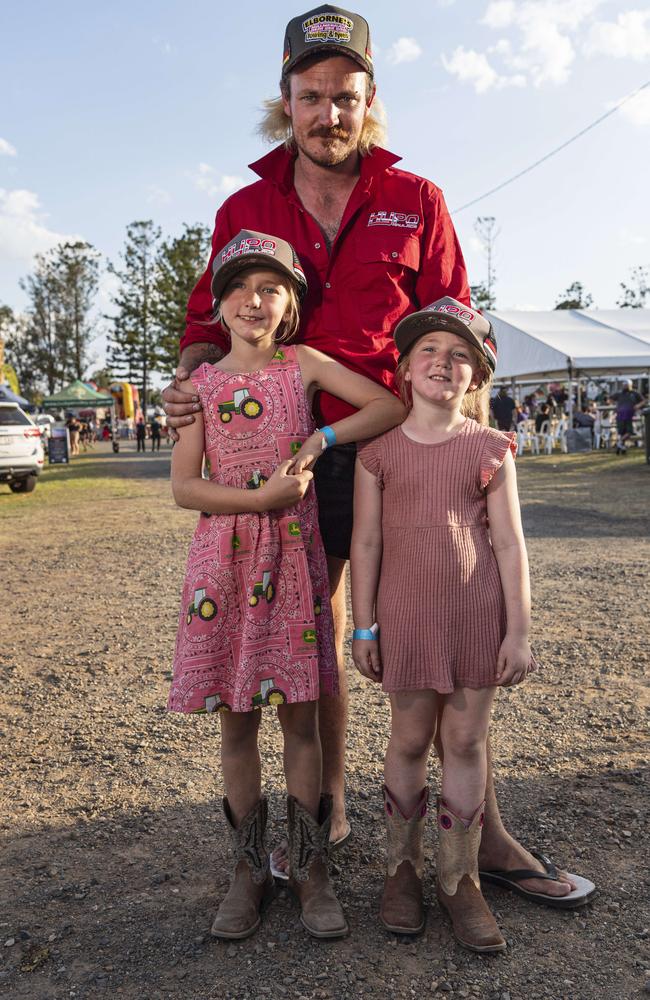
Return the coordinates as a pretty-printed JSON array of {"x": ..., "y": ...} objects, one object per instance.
[
  {"x": 316, "y": 246},
  {"x": 327, "y": 284},
  {"x": 394, "y": 253}
]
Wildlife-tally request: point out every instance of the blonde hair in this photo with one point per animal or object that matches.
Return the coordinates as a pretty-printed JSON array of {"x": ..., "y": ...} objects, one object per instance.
[
  {"x": 275, "y": 125},
  {"x": 288, "y": 328},
  {"x": 475, "y": 403}
]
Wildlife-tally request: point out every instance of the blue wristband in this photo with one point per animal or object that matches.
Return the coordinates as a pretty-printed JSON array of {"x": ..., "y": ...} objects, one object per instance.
[
  {"x": 366, "y": 633},
  {"x": 329, "y": 436}
]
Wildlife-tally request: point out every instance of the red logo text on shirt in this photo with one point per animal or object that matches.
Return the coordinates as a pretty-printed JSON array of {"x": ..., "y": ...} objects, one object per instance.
[
  {"x": 250, "y": 245},
  {"x": 399, "y": 220}
]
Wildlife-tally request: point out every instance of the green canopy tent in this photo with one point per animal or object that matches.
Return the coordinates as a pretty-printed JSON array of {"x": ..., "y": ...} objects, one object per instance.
[{"x": 76, "y": 395}]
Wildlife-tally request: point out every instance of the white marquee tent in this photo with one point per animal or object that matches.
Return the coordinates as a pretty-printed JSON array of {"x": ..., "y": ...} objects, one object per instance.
[{"x": 547, "y": 345}]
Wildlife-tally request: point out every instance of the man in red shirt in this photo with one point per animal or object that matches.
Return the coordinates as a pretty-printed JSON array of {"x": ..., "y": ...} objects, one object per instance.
[{"x": 376, "y": 243}]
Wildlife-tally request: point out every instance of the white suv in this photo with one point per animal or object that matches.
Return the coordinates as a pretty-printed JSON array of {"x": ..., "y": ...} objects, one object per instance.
[{"x": 21, "y": 449}]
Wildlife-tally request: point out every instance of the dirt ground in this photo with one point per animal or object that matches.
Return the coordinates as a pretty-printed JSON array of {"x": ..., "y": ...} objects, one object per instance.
[{"x": 114, "y": 851}]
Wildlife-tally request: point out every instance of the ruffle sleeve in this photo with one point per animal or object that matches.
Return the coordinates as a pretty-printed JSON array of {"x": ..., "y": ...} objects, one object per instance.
[
  {"x": 496, "y": 447},
  {"x": 370, "y": 456}
]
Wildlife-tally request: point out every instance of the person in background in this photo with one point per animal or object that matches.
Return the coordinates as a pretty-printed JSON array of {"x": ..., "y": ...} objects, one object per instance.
[
  {"x": 141, "y": 433},
  {"x": 503, "y": 409},
  {"x": 156, "y": 429}
]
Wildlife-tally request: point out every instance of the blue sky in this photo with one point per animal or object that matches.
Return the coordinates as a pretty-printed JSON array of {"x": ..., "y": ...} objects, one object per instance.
[{"x": 123, "y": 111}]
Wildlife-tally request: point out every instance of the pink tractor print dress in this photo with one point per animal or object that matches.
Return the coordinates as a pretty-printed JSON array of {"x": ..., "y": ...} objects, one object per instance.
[{"x": 255, "y": 624}]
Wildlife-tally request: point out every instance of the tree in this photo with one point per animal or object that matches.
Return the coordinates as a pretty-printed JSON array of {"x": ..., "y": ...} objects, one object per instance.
[
  {"x": 481, "y": 298},
  {"x": 132, "y": 346},
  {"x": 76, "y": 273},
  {"x": 485, "y": 228},
  {"x": 180, "y": 263},
  {"x": 637, "y": 292},
  {"x": 41, "y": 349},
  {"x": 103, "y": 378},
  {"x": 575, "y": 297}
]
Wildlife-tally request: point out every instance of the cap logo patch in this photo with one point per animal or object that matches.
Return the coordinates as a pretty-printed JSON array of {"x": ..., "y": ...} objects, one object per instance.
[
  {"x": 249, "y": 245},
  {"x": 464, "y": 315},
  {"x": 327, "y": 28},
  {"x": 399, "y": 220}
]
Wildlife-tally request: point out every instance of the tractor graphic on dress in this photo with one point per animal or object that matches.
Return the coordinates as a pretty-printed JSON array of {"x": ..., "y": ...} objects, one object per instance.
[
  {"x": 256, "y": 480},
  {"x": 263, "y": 588},
  {"x": 202, "y": 606},
  {"x": 214, "y": 703},
  {"x": 241, "y": 402},
  {"x": 268, "y": 694}
]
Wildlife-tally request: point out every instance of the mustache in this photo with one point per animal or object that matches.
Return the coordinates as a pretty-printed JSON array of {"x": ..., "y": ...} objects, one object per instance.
[{"x": 329, "y": 133}]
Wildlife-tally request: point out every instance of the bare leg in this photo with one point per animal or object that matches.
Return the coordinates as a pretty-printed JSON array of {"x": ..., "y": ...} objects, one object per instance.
[
  {"x": 333, "y": 712},
  {"x": 302, "y": 753},
  {"x": 240, "y": 760},
  {"x": 413, "y": 722},
  {"x": 464, "y": 723}
]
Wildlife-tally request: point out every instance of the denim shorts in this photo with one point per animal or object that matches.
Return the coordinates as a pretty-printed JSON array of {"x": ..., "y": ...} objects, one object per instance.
[{"x": 334, "y": 481}]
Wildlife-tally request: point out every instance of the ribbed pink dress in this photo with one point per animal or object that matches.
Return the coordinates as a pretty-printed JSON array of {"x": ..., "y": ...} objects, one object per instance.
[{"x": 440, "y": 604}]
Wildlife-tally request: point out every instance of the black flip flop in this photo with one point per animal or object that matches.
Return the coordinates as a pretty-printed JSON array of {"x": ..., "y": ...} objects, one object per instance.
[{"x": 584, "y": 892}]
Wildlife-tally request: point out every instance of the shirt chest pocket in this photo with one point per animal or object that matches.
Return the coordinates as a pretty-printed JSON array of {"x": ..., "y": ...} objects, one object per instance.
[{"x": 387, "y": 245}]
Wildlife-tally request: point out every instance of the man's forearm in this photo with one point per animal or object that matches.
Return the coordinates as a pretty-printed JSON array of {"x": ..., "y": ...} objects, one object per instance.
[{"x": 195, "y": 354}]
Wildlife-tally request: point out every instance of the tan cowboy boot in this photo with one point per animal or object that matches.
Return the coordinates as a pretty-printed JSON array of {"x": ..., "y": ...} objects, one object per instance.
[
  {"x": 321, "y": 912},
  {"x": 252, "y": 884},
  {"x": 459, "y": 889},
  {"x": 402, "y": 910}
]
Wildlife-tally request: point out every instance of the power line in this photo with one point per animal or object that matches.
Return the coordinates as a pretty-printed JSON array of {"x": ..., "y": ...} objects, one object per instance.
[{"x": 568, "y": 142}]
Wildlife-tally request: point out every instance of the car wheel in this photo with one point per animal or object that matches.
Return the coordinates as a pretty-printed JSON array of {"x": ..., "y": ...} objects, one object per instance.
[{"x": 26, "y": 485}]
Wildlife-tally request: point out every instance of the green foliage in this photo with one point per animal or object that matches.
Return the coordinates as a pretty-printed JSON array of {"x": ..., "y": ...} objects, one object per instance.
[
  {"x": 482, "y": 297},
  {"x": 574, "y": 297},
  {"x": 132, "y": 350},
  {"x": 635, "y": 295},
  {"x": 50, "y": 345},
  {"x": 180, "y": 263}
]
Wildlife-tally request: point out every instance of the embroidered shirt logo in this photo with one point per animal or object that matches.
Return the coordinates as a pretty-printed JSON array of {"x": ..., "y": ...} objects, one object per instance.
[
  {"x": 327, "y": 28},
  {"x": 398, "y": 220},
  {"x": 249, "y": 245}
]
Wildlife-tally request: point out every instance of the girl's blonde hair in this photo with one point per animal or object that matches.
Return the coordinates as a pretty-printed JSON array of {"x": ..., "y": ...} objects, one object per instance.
[
  {"x": 475, "y": 403},
  {"x": 276, "y": 124},
  {"x": 288, "y": 328}
]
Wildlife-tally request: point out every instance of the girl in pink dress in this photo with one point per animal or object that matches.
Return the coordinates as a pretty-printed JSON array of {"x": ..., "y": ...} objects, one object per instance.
[
  {"x": 255, "y": 624},
  {"x": 439, "y": 564}
]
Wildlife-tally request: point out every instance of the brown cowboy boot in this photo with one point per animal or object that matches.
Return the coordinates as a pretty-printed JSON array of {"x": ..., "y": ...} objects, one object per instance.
[
  {"x": 459, "y": 890},
  {"x": 252, "y": 884},
  {"x": 321, "y": 912},
  {"x": 402, "y": 909}
]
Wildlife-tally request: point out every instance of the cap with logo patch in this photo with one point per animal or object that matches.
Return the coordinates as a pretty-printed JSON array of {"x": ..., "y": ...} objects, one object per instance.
[
  {"x": 327, "y": 29},
  {"x": 448, "y": 314},
  {"x": 251, "y": 249}
]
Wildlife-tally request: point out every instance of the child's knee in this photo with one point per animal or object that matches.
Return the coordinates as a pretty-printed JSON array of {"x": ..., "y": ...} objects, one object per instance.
[
  {"x": 299, "y": 721},
  {"x": 462, "y": 742},
  {"x": 412, "y": 743}
]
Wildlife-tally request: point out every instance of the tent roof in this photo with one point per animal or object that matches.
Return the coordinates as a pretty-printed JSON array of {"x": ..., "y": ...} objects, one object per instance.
[
  {"x": 77, "y": 394},
  {"x": 540, "y": 344}
]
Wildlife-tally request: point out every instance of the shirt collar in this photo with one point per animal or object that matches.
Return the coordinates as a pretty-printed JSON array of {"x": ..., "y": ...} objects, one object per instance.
[{"x": 277, "y": 166}]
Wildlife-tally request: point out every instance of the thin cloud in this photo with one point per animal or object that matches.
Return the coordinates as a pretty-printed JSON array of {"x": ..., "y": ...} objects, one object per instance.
[
  {"x": 404, "y": 50},
  {"x": 636, "y": 110},
  {"x": 207, "y": 179},
  {"x": 626, "y": 38},
  {"x": 23, "y": 232},
  {"x": 473, "y": 67},
  {"x": 6, "y": 149},
  {"x": 157, "y": 195}
]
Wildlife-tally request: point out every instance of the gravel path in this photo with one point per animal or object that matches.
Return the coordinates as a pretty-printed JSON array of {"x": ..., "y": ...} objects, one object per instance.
[{"x": 113, "y": 845}]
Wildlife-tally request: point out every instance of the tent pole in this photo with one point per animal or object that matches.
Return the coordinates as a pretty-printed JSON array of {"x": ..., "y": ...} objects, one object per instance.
[{"x": 569, "y": 365}]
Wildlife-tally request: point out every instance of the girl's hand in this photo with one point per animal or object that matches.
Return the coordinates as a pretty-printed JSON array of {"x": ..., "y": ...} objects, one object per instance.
[
  {"x": 367, "y": 658},
  {"x": 284, "y": 488},
  {"x": 514, "y": 659},
  {"x": 310, "y": 451}
]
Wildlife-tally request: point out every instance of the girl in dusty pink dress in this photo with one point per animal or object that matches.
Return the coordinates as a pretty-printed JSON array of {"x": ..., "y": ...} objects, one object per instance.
[
  {"x": 451, "y": 596},
  {"x": 255, "y": 624}
]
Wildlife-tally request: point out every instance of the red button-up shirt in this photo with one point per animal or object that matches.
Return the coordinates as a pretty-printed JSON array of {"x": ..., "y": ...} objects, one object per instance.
[{"x": 396, "y": 251}]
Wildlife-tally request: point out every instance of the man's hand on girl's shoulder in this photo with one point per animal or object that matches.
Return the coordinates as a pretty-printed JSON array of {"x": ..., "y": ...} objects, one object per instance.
[{"x": 179, "y": 406}]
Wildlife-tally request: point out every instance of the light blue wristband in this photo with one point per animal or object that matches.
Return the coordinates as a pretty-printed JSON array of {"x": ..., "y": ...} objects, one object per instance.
[
  {"x": 328, "y": 435},
  {"x": 366, "y": 633}
]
